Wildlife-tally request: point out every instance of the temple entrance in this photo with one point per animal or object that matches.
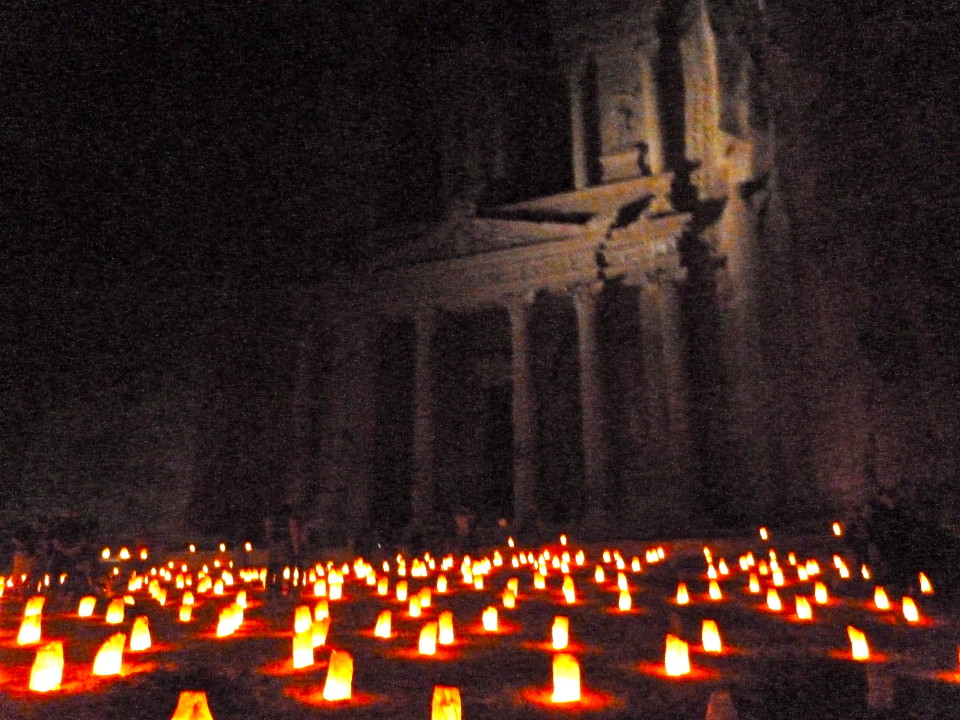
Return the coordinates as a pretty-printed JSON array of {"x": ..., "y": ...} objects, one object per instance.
[{"x": 497, "y": 500}]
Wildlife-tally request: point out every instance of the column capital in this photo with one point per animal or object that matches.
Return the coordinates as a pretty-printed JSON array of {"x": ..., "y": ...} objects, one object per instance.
[
  {"x": 518, "y": 303},
  {"x": 586, "y": 293}
]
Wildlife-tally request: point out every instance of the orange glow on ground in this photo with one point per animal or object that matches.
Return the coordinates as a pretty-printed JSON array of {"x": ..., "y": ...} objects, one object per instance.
[
  {"x": 875, "y": 657},
  {"x": 314, "y": 696},
  {"x": 696, "y": 674},
  {"x": 590, "y": 700},
  {"x": 285, "y": 667},
  {"x": 444, "y": 653}
]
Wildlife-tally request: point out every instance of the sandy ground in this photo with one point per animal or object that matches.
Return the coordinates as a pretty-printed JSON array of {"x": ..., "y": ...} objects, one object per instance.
[{"x": 773, "y": 666}]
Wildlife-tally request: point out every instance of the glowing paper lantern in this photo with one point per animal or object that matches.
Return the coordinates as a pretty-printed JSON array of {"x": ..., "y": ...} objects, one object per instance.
[
  {"x": 864, "y": 572},
  {"x": 566, "y": 678},
  {"x": 683, "y": 597},
  {"x": 427, "y": 644},
  {"x": 880, "y": 599},
  {"x": 539, "y": 581},
  {"x": 425, "y": 598},
  {"x": 837, "y": 530},
  {"x": 509, "y": 599},
  {"x": 445, "y": 704},
  {"x": 382, "y": 586},
  {"x": 764, "y": 535},
  {"x": 303, "y": 649},
  {"x": 192, "y": 705},
  {"x": 401, "y": 590},
  {"x": 676, "y": 657},
  {"x": 140, "y": 634},
  {"x": 710, "y": 637},
  {"x": 302, "y": 619},
  {"x": 560, "y": 632},
  {"x": 635, "y": 565},
  {"x": 115, "y": 611},
  {"x": 754, "y": 584},
  {"x": 186, "y": 613},
  {"x": 339, "y": 677},
  {"x": 489, "y": 619},
  {"x": 926, "y": 587},
  {"x": 773, "y": 600},
  {"x": 29, "y": 630},
  {"x": 858, "y": 644},
  {"x": 803, "y": 608},
  {"x": 318, "y": 633},
  {"x": 820, "y": 593},
  {"x": 47, "y": 670},
  {"x": 624, "y": 602},
  {"x": 382, "y": 629},
  {"x": 445, "y": 635},
  {"x": 413, "y": 609},
  {"x": 34, "y": 606},
  {"x": 598, "y": 574},
  {"x": 910, "y": 612},
  {"x": 109, "y": 658},
  {"x": 569, "y": 591},
  {"x": 321, "y": 610},
  {"x": 714, "y": 591},
  {"x": 86, "y": 606},
  {"x": 442, "y": 584}
]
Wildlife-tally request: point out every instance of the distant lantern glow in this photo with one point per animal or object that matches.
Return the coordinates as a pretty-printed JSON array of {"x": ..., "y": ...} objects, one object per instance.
[
  {"x": 427, "y": 644},
  {"x": 560, "y": 632},
  {"x": 820, "y": 593},
  {"x": 401, "y": 590},
  {"x": 710, "y": 637},
  {"x": 47, "y": 670},
  {"x": 109, "y": 658},
  {"x": 764, "y": 535},
  {"x": 566, "y": 678},
  {"x": 598, "y": 574},
  {"x": 140, "y": 634},
  {"x": 864, "y": 572},
  {"x": 624, "y": 602},
  {"x": 859, "y": 648},
  {"x": 880, "y": 599},
  {"x": 837, "y": 529},
  {"x": 445, "y": 634},
  {"x": 539, "y": 581},
  {"x": 489, "y": 619},
  {"x": 803, "y": 608},
  {"x": 676, "y": 657},
  {"x": 910, "y": 612},
  {"x": 714, "y": 591},
  {"x": 86, "y": 606},
  {"x": 683, "y": 597},
  {"x": 185, "y": 613},
  {"x": 441, "y": 584},
  {"x": 926, "y": 587},
  {"x": 192, "y": 705},
  {"x": 754, "y": 584},
  {"x": 339, "y": 677},
  {"x": 445, "y": 704},
  {"x": 773, "y": 600}
]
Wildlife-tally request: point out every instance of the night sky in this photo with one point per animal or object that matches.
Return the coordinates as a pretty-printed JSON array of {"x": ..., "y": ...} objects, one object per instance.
[{"x": 172, "y": 169}]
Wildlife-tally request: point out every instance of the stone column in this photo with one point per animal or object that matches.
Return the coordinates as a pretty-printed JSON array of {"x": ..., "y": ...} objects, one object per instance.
[
  {"x": 524, "y": 411},
  {"x": 651, "y": 110},
  {"x": 423, "y": 431},
  {"x": 664, "y": 296},
  {"x": 586, "y": 302},
  {"x": 665, "y": 397},
  {"x": 578, "y": 135}
]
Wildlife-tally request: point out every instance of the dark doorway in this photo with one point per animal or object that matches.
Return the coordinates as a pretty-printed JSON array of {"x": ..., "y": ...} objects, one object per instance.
[
  {"x": 393, "y": 459},
  {"x": 497, "y": 500}
]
